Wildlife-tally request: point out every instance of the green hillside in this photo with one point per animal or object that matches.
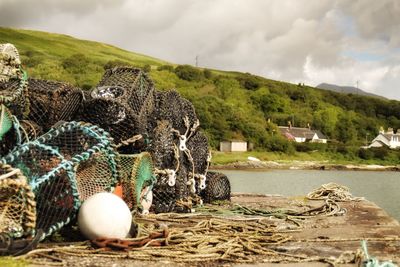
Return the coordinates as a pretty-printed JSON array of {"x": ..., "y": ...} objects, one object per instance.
[{"x": 230, "y": 105}]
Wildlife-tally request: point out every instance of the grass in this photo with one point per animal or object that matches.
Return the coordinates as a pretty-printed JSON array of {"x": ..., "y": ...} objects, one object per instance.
[
  {"x": 222, "y": 158},
  {"x": 11, "y": 262}
]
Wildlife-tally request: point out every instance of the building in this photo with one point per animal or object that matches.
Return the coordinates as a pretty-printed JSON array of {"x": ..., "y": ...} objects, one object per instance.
[
  {"x": 388, "y": 139},
  {"x": 301, "y": 135},
  {"x": 233, "y": 146}
]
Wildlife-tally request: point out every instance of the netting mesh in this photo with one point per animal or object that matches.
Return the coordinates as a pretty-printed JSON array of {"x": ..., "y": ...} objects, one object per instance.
[
  {"x": 65, "y": 166},
  {"x": 9, "y": 62},
  {"x": 137, "y": 173},
  {"x": 218, "y": 187},
  {"x": 52, "y": 101},
  {"x": 13, "y": 81},
  {"x": 121, "y": 103},
  {"x": 17, "y": 204}
]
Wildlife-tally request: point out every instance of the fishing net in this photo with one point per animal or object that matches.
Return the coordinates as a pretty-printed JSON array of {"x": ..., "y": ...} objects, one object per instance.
[
  {"x": 52, "y": 101},
  {"x": 17, "y": 204},
  {"x": 170, "y": 106},
  {"x": 180, "y": 153},
  {"x": 65, "y": 166},
  {"x": 14, "y": 132},
  {"x": 136, "y": 173},
  {"x": 218, "y": 187},
  {"x": 121, "y": 103},
  {"x": 13, "y": 82}
]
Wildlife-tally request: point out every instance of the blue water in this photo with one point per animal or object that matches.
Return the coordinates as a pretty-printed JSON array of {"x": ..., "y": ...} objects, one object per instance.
[{"x": 382, "y": 188}]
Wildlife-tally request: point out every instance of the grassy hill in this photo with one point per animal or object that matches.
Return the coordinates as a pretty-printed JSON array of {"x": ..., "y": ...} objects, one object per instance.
[{"x": 230, "y": 105}]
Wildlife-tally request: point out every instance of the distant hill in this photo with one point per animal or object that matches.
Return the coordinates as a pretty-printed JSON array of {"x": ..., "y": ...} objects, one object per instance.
[{"x": 346, "y": 90}]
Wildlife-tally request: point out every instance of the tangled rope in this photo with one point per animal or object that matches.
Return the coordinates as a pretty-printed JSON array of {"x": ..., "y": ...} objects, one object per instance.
[{"x": 333, "y": 192}]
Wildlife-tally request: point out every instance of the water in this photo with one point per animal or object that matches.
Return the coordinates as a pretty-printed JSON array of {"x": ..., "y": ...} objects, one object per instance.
[{"x": 382, "y": 188}]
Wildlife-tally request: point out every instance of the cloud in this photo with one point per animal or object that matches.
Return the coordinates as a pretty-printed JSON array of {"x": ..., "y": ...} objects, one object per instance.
[{"x": 308, "y": 41}]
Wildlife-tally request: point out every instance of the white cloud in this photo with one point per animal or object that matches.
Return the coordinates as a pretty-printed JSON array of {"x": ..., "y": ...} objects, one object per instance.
[{"x": 309, "y": 41}]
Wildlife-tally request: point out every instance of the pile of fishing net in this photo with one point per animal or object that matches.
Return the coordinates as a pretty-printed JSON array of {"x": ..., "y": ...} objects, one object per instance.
[
  {"x": 63, "y": 167},
  {"x": 147, "y": 141},
  {"x": 142, "y": 119}
]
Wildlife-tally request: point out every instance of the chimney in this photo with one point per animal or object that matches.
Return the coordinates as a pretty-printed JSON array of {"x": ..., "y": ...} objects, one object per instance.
[
  {"x": 390, "y": 130},
  {"x": 290, "y": 124},
  {"x": 309, "y": 126},
  {"x": 381, "y": 130}
]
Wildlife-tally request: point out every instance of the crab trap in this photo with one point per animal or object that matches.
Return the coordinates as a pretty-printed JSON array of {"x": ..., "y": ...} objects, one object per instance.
[
  {"x": 52, "y": 101},
  {"x": 137, "y": 179},
  {"x": 17, "y": 203},
  {"x": 13, "y": 82},
  {"x": 121, "y": 104},
  {"x": 64, "y": 167}
]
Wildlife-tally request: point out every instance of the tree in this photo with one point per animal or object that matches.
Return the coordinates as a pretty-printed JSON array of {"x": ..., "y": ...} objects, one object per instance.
[{"x": 345, "y": 131}]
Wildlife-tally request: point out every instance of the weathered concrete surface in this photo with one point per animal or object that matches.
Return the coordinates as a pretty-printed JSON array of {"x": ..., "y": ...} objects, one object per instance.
[{"x": 334, "y": 235}]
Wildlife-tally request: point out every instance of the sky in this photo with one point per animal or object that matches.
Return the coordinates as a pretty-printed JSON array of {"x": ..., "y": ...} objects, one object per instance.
[{"x": 307, "y": 41}]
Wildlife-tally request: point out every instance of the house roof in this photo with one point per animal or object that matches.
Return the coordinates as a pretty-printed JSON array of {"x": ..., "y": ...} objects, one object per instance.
[
  {"x": 388, "y": 136},
  {"x": 298, "y": 132}
]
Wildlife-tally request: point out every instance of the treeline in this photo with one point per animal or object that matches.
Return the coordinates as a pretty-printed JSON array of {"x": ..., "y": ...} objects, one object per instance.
[{"x": 244, "y": 106}]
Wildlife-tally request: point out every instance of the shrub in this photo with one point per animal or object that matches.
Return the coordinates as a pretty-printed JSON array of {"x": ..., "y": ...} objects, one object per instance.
[
  {"x": 380, "y": 152},
  {"x": 146, "y": 68},
  {"x": 249, "y": 82},
  {"x": 365, "y": 153},
  {"x": 207, "y": 74},
  {"x": 115, "y": 63},
  {"x": 279, "y": 144},
  {"x": 188, "y": 73}
]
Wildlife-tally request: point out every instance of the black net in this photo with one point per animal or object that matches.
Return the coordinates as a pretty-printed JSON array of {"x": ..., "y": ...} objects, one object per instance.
[
  {"x": 121, "y": 103},
  {"x": 52, "y": 101},
  {"x": 218, "y": 187}
]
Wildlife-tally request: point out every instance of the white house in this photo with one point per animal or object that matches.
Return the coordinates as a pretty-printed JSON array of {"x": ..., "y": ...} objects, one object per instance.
[
  {"x": 233, "y": 146},
  {"x": 301, "y": 135},
  {"x": 389, "y": 139}
]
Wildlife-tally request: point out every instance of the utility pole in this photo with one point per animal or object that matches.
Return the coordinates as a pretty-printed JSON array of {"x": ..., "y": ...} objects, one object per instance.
[{"x": 197, "y": 60}]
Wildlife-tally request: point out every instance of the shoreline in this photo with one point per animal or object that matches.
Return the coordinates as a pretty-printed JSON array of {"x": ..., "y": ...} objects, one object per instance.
[{"x": 301, "y": 165}]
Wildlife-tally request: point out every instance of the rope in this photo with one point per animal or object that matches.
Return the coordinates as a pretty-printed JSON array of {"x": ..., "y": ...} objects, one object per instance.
[
  {"x": 374, "y": 262},
  {"x": 334, "y": 192}
]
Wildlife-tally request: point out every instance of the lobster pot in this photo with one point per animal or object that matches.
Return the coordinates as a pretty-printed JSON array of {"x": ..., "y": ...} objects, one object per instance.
[
  {"x": 14, "y": 132},
  {"x": 52, "y": 101},
  {"x": 172, "y": 107},
  {"x": 115, "y": 117},
  {"x": 198, "y": 147},
  {"x": 218, "y": 187},
  {"x": 136, "y": 173},
  {"x": 121, "y": 103},
  {"x": 65, "y": 166},
  {"x": 164, "y": 196},
  {"x": 17, "y": 204},
  {"x": 13, "y": 94},
  {"x": 139, "y": 89},
  {"x": 13, "y": 81}
]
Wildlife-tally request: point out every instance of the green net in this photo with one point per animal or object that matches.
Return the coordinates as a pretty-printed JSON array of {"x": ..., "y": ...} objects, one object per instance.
[
  {"x": 17, "y": 204},
  {"x": 65, "y": 166},
  {"x": 137, "y": 173}
]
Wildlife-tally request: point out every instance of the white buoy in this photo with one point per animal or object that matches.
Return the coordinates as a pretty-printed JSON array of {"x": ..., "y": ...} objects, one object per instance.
[{"x": 104, "y": 215}]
